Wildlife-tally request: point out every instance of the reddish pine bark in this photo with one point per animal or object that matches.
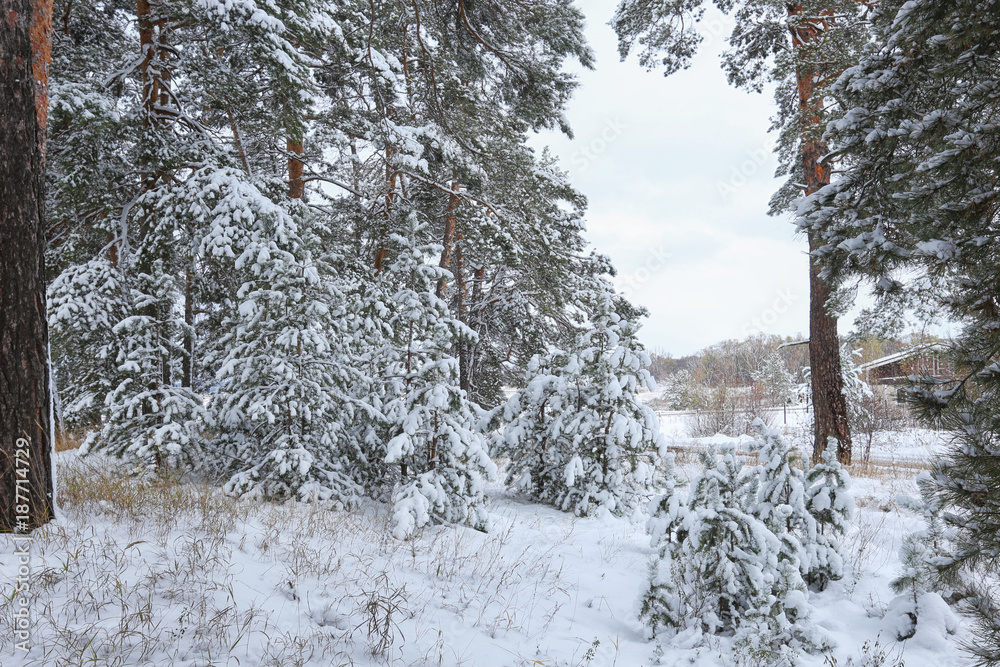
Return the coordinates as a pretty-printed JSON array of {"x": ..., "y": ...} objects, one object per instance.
[
  {"x": 829, "y": 405},
  {"x": 449, "y": 237},
  {"x": 41, "y": 49},
  {"x": 25, "y": 419},
  {"x": 150, "y": 83},
  {"x": 296, "y": 171}
]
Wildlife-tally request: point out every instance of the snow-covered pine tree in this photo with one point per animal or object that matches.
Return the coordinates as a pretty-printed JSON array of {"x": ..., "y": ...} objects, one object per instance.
[
  {"x": 153, "y": 414},
  {"x": 86, "y": 301},
  {"x": 781, "y": 499},
  {"x": 913, "y": 210},
  {"x": 806, "y": 510},
  {"x": 920, "y": 585},
  {"x": 830, "y": 502},
  {"x": 432, "y": 426},
  {"x": 151, "y": 419},
  {"x": 922, "y": 550},
  {"x": 719, "y": 570},
  {"x": 578, "y": 435},
  {"x": 282, "y": 400}
]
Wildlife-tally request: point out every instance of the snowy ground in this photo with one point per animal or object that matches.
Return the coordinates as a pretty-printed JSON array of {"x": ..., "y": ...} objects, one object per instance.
[{"x": 171, "y": 574}]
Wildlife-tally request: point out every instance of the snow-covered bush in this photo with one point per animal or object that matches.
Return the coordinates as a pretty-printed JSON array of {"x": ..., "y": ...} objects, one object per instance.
[{"x": 578, "y": 437}]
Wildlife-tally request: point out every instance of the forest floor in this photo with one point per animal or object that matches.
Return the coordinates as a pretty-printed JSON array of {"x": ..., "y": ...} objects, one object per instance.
[{"x": 165, "y": 573}]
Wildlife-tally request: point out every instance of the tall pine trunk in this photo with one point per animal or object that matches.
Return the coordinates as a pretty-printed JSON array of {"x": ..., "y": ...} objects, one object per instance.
[
  {"x": 829, "y": 404},
  {"x": 296, "y": 170},
  {"x": 25, "y": 402},
  {"x": 381, "y": 243},
  {"x": 152, "y": 84},
  {"x": 463, "y": 313},
  {"x": 449, "y": 236}
]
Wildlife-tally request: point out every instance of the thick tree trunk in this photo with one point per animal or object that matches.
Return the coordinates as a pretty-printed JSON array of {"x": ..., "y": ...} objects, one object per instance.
[
  {"x": 829, "y": 405},
  {"x": 41, "y": 57},
  {"x": 26, "y": 501}
]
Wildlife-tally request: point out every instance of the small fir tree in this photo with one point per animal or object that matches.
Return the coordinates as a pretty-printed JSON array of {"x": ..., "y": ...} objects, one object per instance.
[
  {"x": 578, "y": 435},
  {"x": 921, "y": 582},
  {"x": 151, "y": 420},
  {"x": 433, "y": 429},
  {"x": 719, "y": 570},
  {"x": 830, "y": 502},
  {"x": 282, "y": 399},
  {"x": 781, "y": 500}
]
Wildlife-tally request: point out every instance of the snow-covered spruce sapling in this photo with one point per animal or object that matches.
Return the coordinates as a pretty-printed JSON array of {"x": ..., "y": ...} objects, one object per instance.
[
  {"x": 920, "y": 585},
  {"x": 85, "y": 302},
  {"x": 719, "y": 571},
  {"x": 433, "y": 425},
  {"x": 578, "y": 437},
  {"x": 805, "y": 510},
  {"x": 781, "y": 500},
  {"x": 150, "y": 420},
  {"x": 283, "y": 400},
  {"x": 830, "y": 502}
]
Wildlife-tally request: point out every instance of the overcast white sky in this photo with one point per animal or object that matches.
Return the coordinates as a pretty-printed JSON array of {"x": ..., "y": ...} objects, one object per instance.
[{"x": 678, "y": 171}]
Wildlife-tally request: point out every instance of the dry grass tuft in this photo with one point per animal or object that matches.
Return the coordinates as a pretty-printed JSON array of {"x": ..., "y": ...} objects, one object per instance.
[
  {"x": 67, "y": 440},
  {"x": 887, "y": 470}
]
